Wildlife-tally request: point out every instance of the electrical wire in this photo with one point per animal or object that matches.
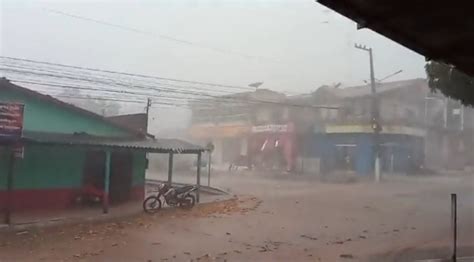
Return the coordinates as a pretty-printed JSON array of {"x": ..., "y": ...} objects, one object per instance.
[
  {"x": 128, "y": 74},
  {"x": 161, "y": 88},
  {"x": 165, "y": 37},
  {"x": 71, "y": 74},
  {"x": 127, "y": 85}
]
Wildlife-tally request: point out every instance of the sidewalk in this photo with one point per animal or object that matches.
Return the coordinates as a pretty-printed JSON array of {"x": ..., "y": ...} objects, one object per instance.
[
  {"x": 28, "y": 219},
  {"x": 35, "y": 219}
]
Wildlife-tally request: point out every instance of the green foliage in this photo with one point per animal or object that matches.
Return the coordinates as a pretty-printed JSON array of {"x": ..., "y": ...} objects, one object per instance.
[{"x": 450, "y": 82}]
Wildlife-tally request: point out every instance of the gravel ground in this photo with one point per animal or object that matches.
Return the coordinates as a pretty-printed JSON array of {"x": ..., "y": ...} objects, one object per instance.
[{"x": 273, "y": 218}]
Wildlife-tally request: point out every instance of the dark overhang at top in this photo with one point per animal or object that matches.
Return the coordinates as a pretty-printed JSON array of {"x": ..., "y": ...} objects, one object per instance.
[{"x": 439, "y": 30}]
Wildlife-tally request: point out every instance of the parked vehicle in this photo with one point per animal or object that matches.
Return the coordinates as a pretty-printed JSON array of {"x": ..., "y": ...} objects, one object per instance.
[{"x": 172, "y": 196}]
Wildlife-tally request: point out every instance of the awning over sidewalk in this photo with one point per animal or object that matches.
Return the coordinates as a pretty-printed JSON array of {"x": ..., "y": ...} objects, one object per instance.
[{"x": 83, "y": 139}]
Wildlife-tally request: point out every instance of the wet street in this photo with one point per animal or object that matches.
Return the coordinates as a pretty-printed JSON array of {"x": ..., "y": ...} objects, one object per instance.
[{"x": 278, "y": 218}]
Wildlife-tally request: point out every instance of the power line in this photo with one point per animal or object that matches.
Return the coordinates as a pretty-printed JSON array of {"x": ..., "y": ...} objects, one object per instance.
[
  {"x": 81, "y": 88},
  {"x": 72, "y": 76},
  {"x": 165, "y": 37},
  {"x": 170, "y": 90},
  {"x": 75, "y": 87},
  {"x": 128, "y": 74},
  {"x": 167, "y": 97},
  {"x": 89, "y": 97}
]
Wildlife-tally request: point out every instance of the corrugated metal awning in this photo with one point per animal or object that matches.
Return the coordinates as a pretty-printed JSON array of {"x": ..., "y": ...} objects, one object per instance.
[{"x": 83, "y": 139}]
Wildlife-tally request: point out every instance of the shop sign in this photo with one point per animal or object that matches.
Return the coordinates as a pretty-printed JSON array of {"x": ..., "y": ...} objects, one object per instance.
[
  {"x": 270, "y": 129},
  {"x": 11, "y": 120}
]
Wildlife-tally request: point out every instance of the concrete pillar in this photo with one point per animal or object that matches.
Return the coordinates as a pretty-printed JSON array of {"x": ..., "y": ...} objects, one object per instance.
[{"x": 377, "y": 169}]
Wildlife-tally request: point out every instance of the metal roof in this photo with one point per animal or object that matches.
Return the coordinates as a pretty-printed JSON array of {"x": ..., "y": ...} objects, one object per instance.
[
  {"x": 359, "y": 91},
  {"x": 82, "y": 139},
  {"x": 365, "y": 90}
]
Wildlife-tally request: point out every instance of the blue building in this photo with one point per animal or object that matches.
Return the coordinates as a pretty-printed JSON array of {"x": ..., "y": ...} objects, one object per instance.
[
  {"x": 352, "y": 148},
  {"x": 341, "y": 138}
]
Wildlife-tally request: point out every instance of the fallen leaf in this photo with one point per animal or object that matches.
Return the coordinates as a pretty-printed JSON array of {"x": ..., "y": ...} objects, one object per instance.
[
  {"x": 309, "y": 237},
  {"x": 349, "y": 256}
]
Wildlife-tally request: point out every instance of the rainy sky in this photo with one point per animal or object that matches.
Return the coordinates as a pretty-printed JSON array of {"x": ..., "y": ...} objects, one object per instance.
[{"x": 293, "y": 46}]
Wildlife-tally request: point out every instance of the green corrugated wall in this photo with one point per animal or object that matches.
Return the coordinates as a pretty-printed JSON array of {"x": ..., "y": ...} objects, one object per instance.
[
  {"x": 3, "y": 168},
  {"x": 139, "y": 168},
  {"x": 47, "y": 167}
]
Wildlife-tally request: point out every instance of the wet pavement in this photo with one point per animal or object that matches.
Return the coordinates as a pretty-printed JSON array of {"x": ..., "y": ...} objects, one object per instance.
[{"x": 276, "y": 218}]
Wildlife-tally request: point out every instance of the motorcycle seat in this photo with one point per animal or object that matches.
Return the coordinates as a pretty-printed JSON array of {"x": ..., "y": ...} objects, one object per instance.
[{"x": 183, "y": 189}]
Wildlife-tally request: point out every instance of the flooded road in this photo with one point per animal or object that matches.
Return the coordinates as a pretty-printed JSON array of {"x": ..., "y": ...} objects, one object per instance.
[{"x": 273, "y": 218}]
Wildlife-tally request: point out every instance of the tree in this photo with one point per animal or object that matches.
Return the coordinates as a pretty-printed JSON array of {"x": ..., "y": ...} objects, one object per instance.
[{"x": 450, "y": 82}]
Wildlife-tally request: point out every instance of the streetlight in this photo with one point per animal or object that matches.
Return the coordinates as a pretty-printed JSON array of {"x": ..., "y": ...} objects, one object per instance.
[
  {"x": 388, "y": 76},
  {"x": 385, "y": 78},
  {"x": 374, "y": 112}
]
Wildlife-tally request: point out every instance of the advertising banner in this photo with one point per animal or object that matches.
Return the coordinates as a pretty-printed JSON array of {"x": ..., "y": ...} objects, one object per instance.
[{"x": 11, "y": 120}]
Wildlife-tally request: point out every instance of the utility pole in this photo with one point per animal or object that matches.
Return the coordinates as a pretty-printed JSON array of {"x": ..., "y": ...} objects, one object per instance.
[
  {"x": 148, "y": 105},
  {"x": 375, "y": 120},
  {"x": 210, "y": 147}
]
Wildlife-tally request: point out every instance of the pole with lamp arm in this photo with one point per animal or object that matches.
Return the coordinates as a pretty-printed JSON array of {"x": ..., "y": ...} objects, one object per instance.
[{"x": 375, "y": 121}]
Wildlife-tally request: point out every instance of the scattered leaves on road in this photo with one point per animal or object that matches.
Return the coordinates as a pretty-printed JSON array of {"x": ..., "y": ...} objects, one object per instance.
[
  {"x": 309, "y": 237},
  {"x": 347, "y": 256}
]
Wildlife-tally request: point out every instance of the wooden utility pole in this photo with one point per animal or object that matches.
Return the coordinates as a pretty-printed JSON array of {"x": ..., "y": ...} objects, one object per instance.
[
  {"x": 148, "y": 105},
  {"x": 170, "y": 168}
]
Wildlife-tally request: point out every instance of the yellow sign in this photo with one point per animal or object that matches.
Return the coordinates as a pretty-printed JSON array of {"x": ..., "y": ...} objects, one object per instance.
[
  {"x": 209, "y": 131},
  {"x": 386, "y": 129}
]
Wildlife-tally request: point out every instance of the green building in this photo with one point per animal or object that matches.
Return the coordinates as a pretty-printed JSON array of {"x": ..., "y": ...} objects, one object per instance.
[{"x": 66, "y": 153}]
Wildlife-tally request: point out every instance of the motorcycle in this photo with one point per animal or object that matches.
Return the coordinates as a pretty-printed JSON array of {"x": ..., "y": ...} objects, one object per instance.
[{"x": 173, "y": 196}]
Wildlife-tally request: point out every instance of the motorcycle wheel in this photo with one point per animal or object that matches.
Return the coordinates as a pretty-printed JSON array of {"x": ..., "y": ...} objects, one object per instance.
[
  {"x": 188, "y": 202},
  {"x": 151, "y": 204}
]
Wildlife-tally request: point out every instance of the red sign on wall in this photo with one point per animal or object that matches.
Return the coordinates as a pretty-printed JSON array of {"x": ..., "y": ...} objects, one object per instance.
[{"x": 11, "y": 120}]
